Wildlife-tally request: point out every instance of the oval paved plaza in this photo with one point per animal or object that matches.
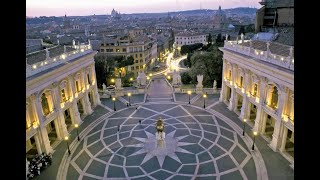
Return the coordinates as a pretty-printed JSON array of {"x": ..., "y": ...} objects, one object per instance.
[{"x": 199, "y": 146}]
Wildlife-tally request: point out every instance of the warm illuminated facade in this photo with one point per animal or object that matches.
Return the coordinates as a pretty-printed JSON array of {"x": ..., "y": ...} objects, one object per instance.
[
  {"x": 258, "y": 84},
  {"x": 189, "y": 38},
  {"x": 143, "y": 49},
  {"x": 61, "y": 89}
]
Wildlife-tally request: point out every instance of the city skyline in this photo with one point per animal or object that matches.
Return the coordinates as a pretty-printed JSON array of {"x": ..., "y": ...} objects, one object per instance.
[{"x": 36, "y": 8}]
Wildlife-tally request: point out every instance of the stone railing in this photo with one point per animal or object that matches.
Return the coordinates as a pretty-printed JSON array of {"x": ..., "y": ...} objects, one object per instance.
[
  {"x": 201, "y": 90},
  {"x": 55, "y": 61},
  {"x": 267, "y": 56}
]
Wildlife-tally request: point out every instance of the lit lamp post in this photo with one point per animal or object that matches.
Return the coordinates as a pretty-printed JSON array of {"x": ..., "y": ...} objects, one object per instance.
[
  {"x": 168, "y": 77},
  {"x": 112, "y": 80},
  {"x": 67, "y": 138},
  {"x": 254, "y": 138},
  {"x": 129, "y": 94},
  {"x": 204, "y": 100},
  {"x": 189, "y": 92},
  {"x": 244, "y": 126},
  {"x": 114, "y": 103},
  {"x": 76, "y": 126},
  {"x": 120, "y": 73}
]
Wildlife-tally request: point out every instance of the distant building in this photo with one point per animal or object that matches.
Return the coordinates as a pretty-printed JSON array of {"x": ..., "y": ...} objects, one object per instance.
[
  {"x": 277, "y": 17},
  {"x": 142, "y": 48},
  {"x": 189, "y": 38},
  {"x": 219, "y": 19},
  {"x": 115, "y": 14}
]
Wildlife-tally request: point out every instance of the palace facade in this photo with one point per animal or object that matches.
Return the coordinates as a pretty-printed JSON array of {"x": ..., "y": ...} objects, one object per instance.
[
  {"x": 61, "y": 90},
  {"x": 258, "y": 84}
]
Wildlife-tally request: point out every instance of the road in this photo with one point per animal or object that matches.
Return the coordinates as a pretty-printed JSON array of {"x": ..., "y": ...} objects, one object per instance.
[{"x": 172, "y": 64}]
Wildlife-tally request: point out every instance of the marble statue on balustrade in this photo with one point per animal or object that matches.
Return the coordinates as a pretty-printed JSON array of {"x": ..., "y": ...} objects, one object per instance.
[
  {"x": 73, "y": 43},
  {"x": 141, "y": 79},
  {"x": 160, "y": 134},
  {"x": 214, "y": 86},
  {"x": 104, "y": 88},
  {"x": 176, "y": 79},
  {"x": 118, "y": 84},
  {"x": 47, "y": 53},
  {"x": 199, "y": 79}
]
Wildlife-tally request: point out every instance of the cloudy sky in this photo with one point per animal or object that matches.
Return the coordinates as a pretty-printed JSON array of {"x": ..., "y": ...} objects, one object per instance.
[{"x": 90, "y": 7}]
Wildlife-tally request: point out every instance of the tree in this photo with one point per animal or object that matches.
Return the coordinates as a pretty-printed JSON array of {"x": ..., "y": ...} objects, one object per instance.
[
  {"x": 241, "y": 30},
  {"x": 190, "y": 48},
  {"x": 185, "y": 78},
  {"x": 104, "y": 66},
  {"x": 209, "y": 64},
  {"x": 210, "y": 39},
  {"x": 187, "y": 62},
  {"x": 219, "y": 41}
]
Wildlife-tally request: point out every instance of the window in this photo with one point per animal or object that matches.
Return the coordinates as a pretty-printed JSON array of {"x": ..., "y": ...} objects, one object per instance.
[
  {"x": 132, "y": 68},
  {"x": 124, "y": 50},
  {"x": 45, "y": 105},
  {"x": 255, "y": 89},
  {"x": 140, "y": 55},
  {"x": 229, "y": 74},
  {"x": 274, "y": 97},
  {"x": 137, "y": 67},
  {"x": 77, "y": 86},
  {"x": 88, "y": 78},
  {"x": 102, "y": 50},
  {"x": 136, "y": 55},
  {"x": 63, "y": 95},
  {"x": 117, "y": 50},
  {"x": 241, "y": 81},
  {"x": 136, "y": 61}
]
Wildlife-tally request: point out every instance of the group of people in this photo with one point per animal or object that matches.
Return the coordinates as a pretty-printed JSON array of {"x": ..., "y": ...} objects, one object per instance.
[{"x": 37, "y": 164}]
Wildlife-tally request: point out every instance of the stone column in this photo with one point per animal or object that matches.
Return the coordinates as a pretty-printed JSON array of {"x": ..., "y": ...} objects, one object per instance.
[
  {"x": 56, "y": 93},
  {"x": 284, "y": 139},
  {"x": 71, "y": 86},
  {"x": 63, "y": 127},
  {"x": 57, "y": 128},
  {"x": 276, "y": 140},
  {"x": 38, "y": 143},
  {"x": 83, "y": 79},
  {"x": 95, "y": 89},
  {"x": 50, "y": 101},
  {"x": 45, "y": 140},
  {"x": 222, "y": 92},
  {"x": 36, "y": 105},
  {"x": 87, "y": 103},
  {"x": 292, "y": 137},
  {"x": 281, "y": 101},
  {"x": 27, "y": 168},
  {"x": 262, "y": 89},
  {"x": 232, "y": 99},
  {"x": 83, "y": 103},
  {"x": 258, "y": 120},
  {"x": 74, "y": 112},
  {"x": 244, "y": 107}
]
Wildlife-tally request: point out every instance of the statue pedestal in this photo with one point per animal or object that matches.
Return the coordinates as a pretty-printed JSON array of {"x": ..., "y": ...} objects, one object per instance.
[{"x": 160, "y": 136}]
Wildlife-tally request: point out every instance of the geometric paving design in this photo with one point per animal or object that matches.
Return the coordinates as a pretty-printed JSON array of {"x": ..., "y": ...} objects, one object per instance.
[{"x": 198, "y": 147}]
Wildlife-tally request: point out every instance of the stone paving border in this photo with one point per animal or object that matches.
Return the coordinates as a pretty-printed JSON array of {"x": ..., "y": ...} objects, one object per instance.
[{"x": 258, "y": 160}]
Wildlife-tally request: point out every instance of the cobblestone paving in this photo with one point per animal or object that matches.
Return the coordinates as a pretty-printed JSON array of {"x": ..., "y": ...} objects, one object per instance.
[{"x": 203, "y": 147}]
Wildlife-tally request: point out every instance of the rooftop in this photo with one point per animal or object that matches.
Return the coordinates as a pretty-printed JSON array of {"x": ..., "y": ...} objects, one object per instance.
[{"x": 270, "y": 52}]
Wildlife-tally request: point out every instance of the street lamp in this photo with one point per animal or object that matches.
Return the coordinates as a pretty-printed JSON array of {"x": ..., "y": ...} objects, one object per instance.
[
  {"x": 148, "y": 77},
  {"x": 76, "y": 126},
  {"x": 112, "y": 80},
  {"x": 150, "y": 74},
  {"x": 254, "y": 138},
  {"x": 129, "y": 94},
  {"x": 120, "y": 73},
  {"x": 131, "y": 79},
  {"x": 66, "y": 138},
  {"x": 189, "y": 92},
  {"x": 168, "y": 77},
  {"x": 204, "y": 100},
  {"x": 114, "y": 103},
  {"x": 244, "y": 126}
]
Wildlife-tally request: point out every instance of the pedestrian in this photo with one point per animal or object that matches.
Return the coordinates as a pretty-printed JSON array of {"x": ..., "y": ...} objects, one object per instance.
[{"x": 140, "y": 122}]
